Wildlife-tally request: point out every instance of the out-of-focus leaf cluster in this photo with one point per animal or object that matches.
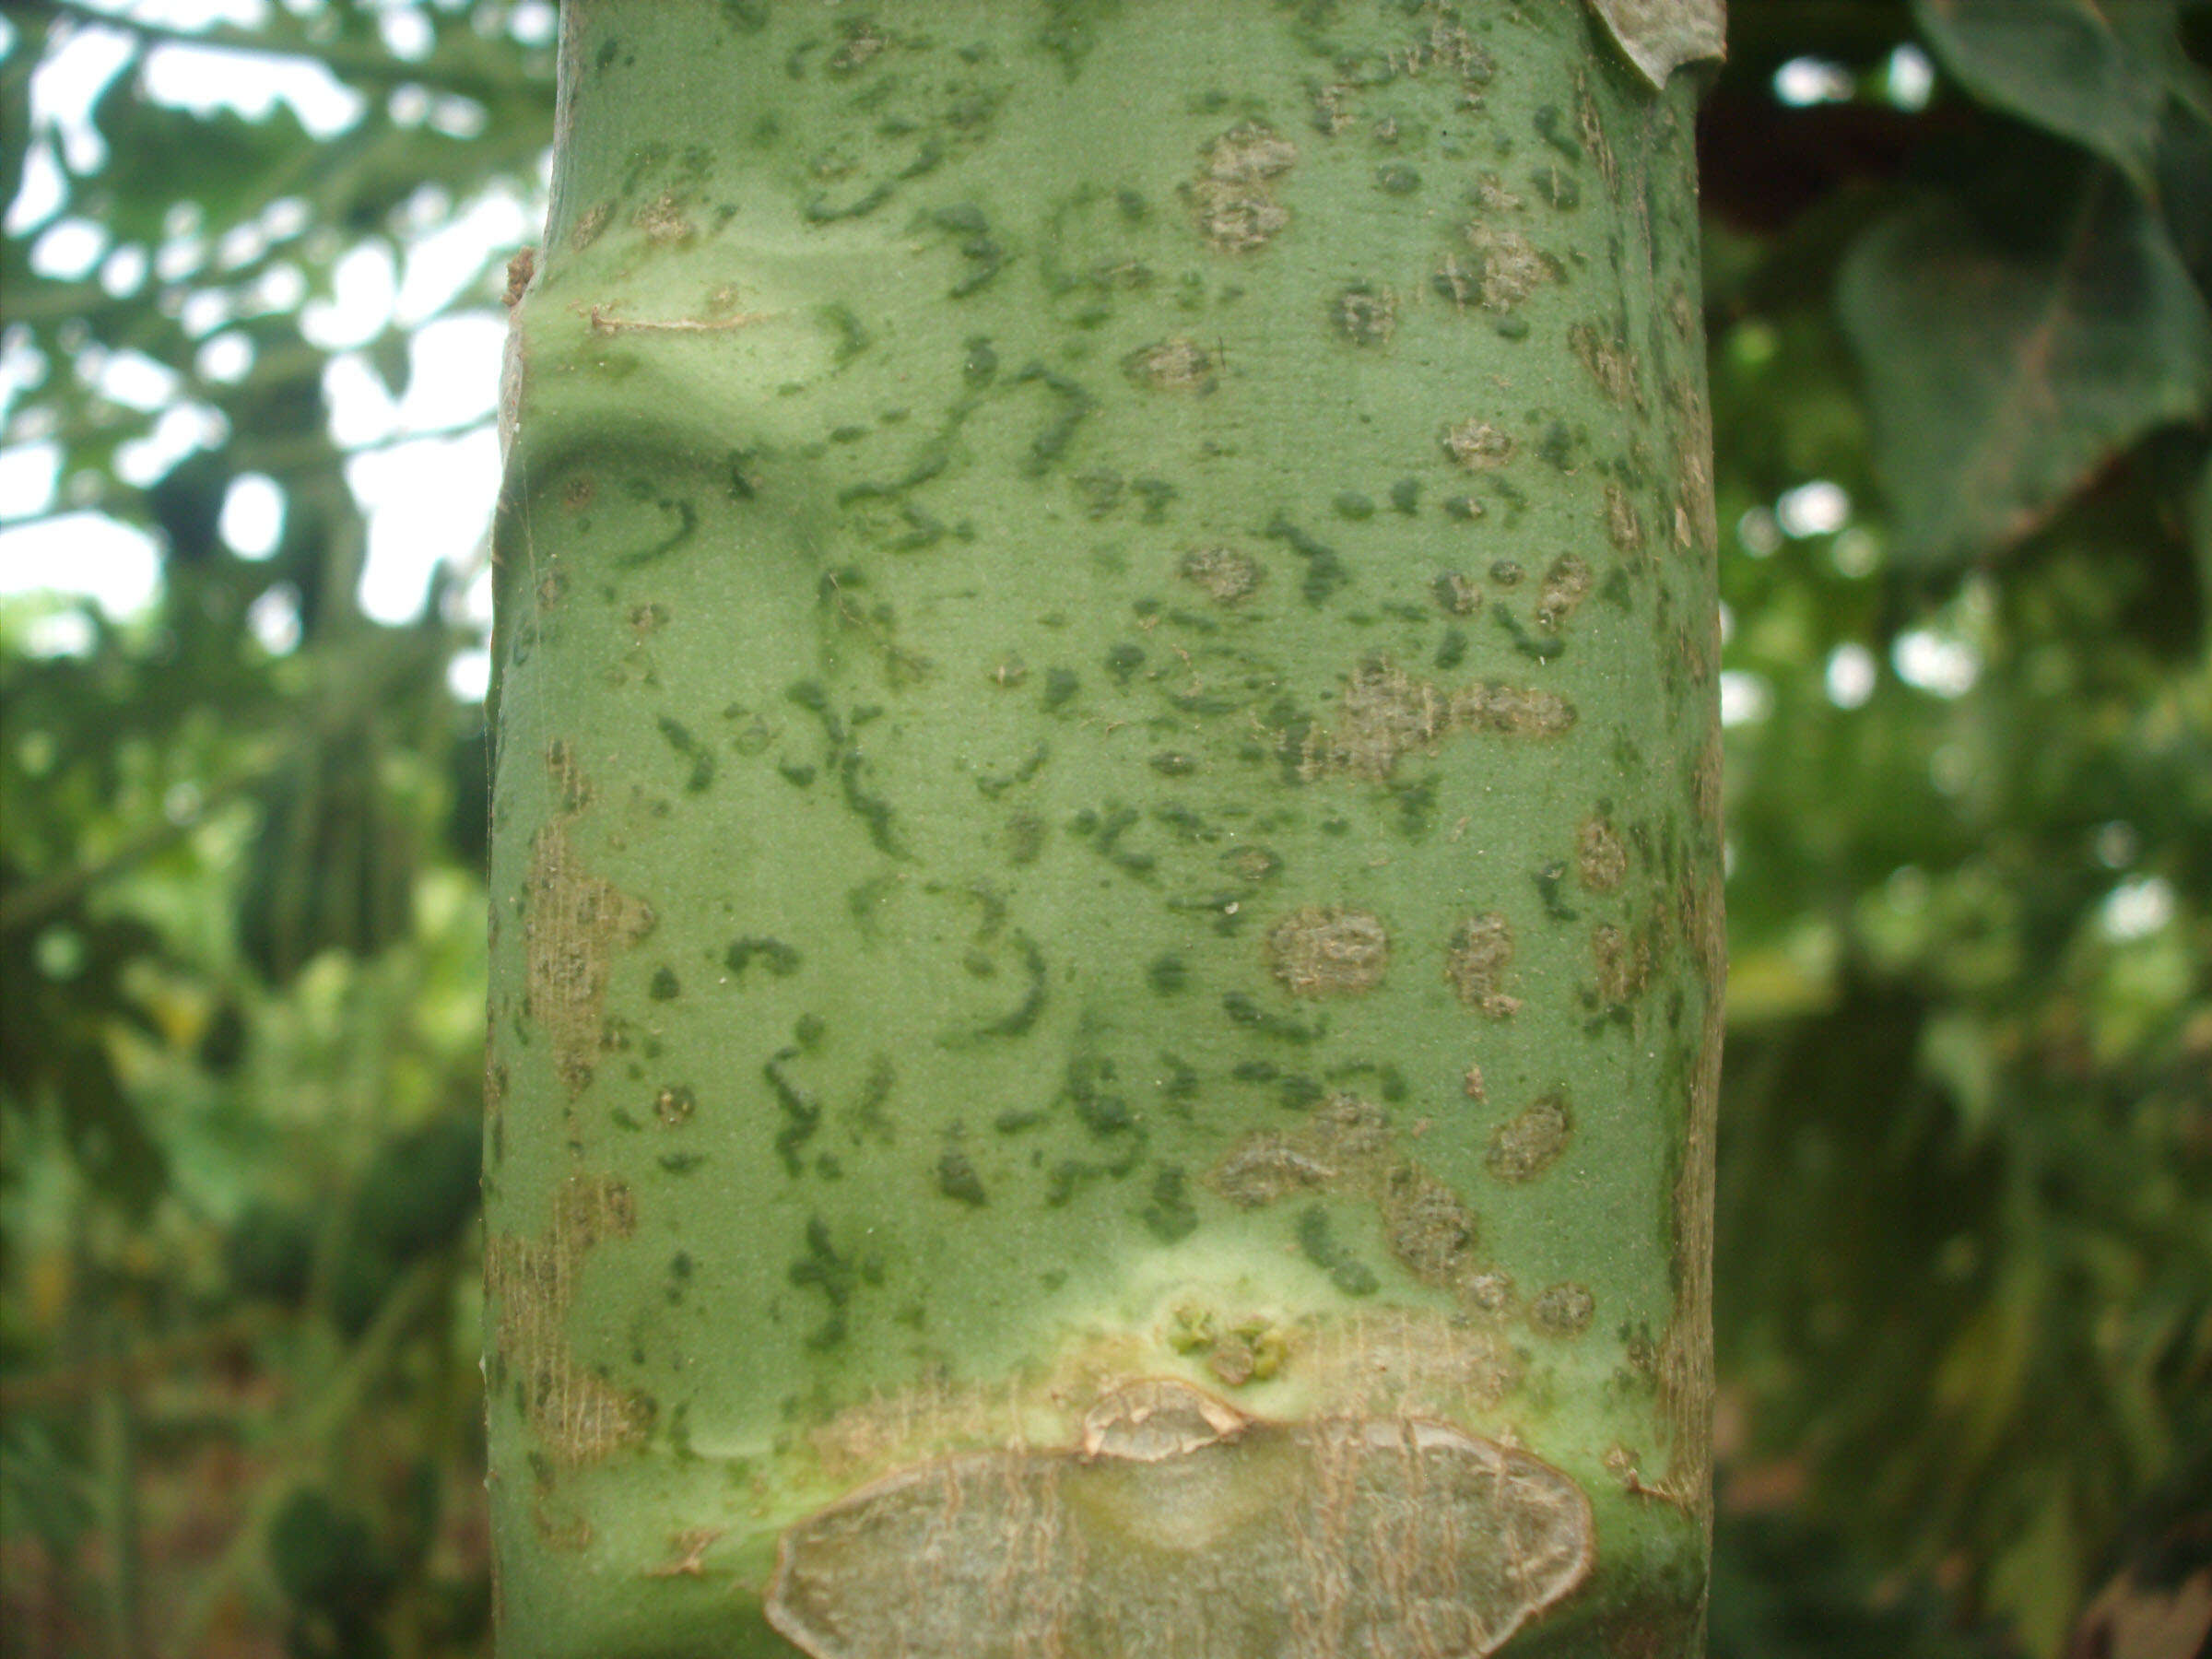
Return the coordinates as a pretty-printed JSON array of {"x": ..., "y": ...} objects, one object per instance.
[
  {"x": 1965, "y": 1258},
  {"x": 1957, "y": 255},
  {"x": 242, "y": 903}
]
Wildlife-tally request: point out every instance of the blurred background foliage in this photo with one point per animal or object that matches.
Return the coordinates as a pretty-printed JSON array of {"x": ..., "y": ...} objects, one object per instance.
[{"x": 1957, "y": 259}]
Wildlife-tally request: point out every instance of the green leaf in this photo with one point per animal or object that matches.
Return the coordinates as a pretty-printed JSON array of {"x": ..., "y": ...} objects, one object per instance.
[
  {"x": 1955, "y": 1050},
  {"x": 2096, "y": 71},
  {"x": 2003, "y": 371},
  {"x": 1660, "y": 36},
  {"x": 14, "y": 105},
  {"x": 2185, "y": 192},
  {"x": 44, "y": 1491},
  {"x": 2198, "y": 522},
  {"x": 226, "y": 165},
  {"x": 2038, "y": 1580}
]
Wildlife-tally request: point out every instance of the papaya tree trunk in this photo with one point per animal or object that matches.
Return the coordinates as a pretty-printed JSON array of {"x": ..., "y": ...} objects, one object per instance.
[{"x": 1106, "y": 950}]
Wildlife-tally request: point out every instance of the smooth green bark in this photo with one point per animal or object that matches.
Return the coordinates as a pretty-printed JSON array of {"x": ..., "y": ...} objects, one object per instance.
[{"x": 1106, "y": 957}]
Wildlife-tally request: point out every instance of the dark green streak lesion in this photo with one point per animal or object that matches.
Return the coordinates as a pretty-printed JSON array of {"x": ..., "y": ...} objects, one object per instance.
[
  {"x": 868, "y": 1119},
  {"x": 930, "y": 461},
  {"x": 1550, "y": 880},
  {"x": 820, "y": 210},
  {"x": 1537, "y": 647},
  {"x": 878, "y": 625},
  {"x": 1246, "y": 1011},
  {"x": 986, "y": 258},
  {"x": 853, "y": 337},
  {"x": 679, "y": 738},
  {"x": 1105, "y": 831},
  {"x": 1325, "y": 571},
  {"x": 994, "y": 784},
  {"x": 1225, "y": 905},
  {"x": 1171, "y": 1215},
  {"x": 1023, "y": 1016},
  {"x": 958, "y": 1179},
  {"x": 1091, "y": 1091},
  {"x": 1320, "y": 1245},
  {"x": 802, "y": 1111},
  {"x": 1100, "y": 1107},
  {"x": 846, "y": 760},
  {"x": 779, "y": 959},
  {"x": 1551, "y": 126},
  {"x": 1051, "y": 444},
  {"x": 1387, "y": 1082},
  {"x": 872, "y": 809},
  {"x": 687, "y": 526},
  {"x": 834, "y": 1274}
]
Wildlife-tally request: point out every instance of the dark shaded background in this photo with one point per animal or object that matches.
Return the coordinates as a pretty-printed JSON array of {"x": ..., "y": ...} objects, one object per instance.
[{"x": 1961, "y": 365}]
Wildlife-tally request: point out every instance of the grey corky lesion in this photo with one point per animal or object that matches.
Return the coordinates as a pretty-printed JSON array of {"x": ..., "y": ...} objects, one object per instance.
[
  {"x": 1531, "y": 1142},
  {"x": 1175, "y": 1524},
  {"x": 1234, "y": 193},
  {"x": 1384, "y": 714},
  {"x": 1329, "y": 951},
  {"x": 1477, "y": 960},
  {"x": 1660, "y": 36},
  {"x": 1348, "y": 1148}
]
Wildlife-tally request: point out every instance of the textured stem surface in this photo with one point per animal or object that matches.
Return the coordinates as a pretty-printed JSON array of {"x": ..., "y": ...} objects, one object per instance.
[{"x": 1107, "y": 922}]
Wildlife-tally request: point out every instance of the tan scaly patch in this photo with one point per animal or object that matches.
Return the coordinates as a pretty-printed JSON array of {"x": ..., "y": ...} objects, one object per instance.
[
  {"x": 581, "y": 1416},
  {"x": 573, "y": 921}
]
